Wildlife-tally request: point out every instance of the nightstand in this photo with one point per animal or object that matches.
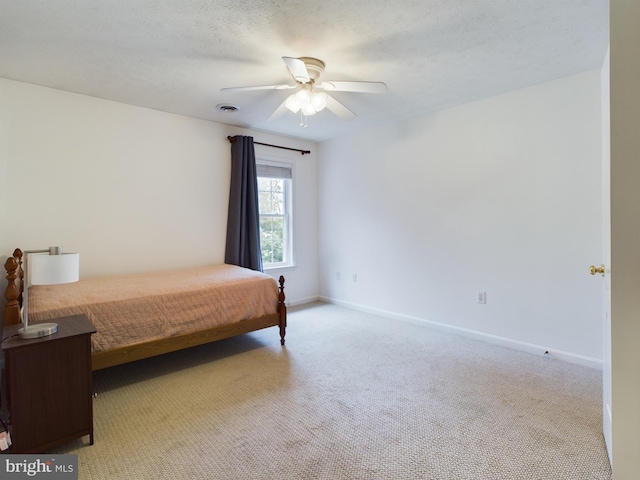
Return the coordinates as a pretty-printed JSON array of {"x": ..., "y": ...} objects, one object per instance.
[{"x": 49, "y": 385}]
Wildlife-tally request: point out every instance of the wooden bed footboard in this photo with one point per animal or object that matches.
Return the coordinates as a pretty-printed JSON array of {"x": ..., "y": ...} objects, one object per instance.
[{"x": 117, "y": 356}]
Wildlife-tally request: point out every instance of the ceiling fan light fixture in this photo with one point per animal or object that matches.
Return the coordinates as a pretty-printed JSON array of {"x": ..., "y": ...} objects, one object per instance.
[
  {"x": 309, "y": 102},
  {"x": 308, "y": 110},
  {"x": 307, "y": 72},
  {"x": 303, "y": 98},
  {"x": 292, "y": 104},
  {"x": 319, "y": 101}
]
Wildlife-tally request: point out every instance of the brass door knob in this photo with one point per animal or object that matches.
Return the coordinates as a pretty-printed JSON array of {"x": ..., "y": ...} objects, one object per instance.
[{"x": 593, "y": 270}]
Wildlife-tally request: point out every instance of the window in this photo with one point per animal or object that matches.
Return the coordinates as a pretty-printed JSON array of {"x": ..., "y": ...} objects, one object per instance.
[{"x": 274, "y": 197}]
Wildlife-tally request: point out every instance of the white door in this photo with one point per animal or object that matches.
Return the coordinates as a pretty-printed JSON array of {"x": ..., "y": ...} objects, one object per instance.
[
  {"x": 624, "y": 377},
  {"x": 606, "y": 256}
]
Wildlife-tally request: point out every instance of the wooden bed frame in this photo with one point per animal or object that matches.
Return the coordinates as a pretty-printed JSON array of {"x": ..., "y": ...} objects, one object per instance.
[{"x": 117, "y": 356}]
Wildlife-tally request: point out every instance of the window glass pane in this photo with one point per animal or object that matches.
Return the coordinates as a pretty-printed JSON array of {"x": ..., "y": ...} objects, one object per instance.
[
  {"x": 274, "y": 185},
  {"x": 264, "y": 205},
  {"x": 277, "y": 204},
  {"x": 272, "y": 239},
  {"x": 266, "y": 243},
  {"x": 271, "y": 196}
]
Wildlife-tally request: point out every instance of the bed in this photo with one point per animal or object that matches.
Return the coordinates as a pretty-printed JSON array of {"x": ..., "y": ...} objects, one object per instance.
[{"x": 142, "y": 315}]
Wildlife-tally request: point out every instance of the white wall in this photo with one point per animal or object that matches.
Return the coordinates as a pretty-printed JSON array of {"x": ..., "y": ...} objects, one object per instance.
[
  {"x": 502, "y": 195},
  {"x": 4, "y": 145},
  {"x": 131, "y": 189}
]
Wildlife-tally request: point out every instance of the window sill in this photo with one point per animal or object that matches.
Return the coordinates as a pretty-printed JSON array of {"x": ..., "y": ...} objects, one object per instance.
[{"x": 279, "y": 267}]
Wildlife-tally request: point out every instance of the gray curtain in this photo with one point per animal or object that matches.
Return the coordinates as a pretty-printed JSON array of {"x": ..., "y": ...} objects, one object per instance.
[{"x": 243, "y": 223}]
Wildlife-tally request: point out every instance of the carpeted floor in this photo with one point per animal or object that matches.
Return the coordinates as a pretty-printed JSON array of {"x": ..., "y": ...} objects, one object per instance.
[{"x": 351, "y": 396}]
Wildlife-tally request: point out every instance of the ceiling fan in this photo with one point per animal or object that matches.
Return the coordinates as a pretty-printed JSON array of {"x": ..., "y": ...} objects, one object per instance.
[{"x": 307, "y": 72}]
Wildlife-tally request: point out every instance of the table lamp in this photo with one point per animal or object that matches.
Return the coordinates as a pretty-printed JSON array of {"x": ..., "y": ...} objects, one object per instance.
[{"x": 46, "y": 267}]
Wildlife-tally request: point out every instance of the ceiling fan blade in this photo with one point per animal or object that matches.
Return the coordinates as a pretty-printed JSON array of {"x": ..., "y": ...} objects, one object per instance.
[
  {"x": 360, "y": 87},
  {"x": 262, "y": 87},
  {"x": 339, "y": 109},
  {"x": 297, "y": 69},
  {"x": 278, "y": 112}
]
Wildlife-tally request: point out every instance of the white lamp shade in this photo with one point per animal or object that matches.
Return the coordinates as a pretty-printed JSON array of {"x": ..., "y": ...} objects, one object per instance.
[
  {"x": 307, "y": 101},
  {"x": 303, "y": 98},
  {"x": 292, "y": 104},
  {"x": 319, "y": 101},
  {"x": 308, "y": 110},
  {"x": 45, "y": 269}
]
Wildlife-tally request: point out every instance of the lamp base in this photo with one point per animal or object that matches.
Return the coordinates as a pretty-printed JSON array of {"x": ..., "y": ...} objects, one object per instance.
[{"x": 38, "y": 330}]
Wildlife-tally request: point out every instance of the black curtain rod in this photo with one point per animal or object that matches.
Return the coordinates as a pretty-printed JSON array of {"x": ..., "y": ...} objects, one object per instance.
[{"x": 303, "y": 152}]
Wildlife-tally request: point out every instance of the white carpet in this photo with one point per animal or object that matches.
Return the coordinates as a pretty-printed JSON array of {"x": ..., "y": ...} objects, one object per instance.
[{"x": 351, "y": 396}]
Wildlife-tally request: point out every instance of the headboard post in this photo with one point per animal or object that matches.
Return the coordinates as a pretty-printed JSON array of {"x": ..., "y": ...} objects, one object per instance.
[
  {"x": 17, "y": 254},
  {"x": 12, "y": 293}
]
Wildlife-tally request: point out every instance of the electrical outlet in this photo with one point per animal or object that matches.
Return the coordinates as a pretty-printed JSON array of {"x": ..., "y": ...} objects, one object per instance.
[
  {"x": 338, "y": 276},
  {"x": 355, "y": 277},
  {"x": 482, "y": 297}
]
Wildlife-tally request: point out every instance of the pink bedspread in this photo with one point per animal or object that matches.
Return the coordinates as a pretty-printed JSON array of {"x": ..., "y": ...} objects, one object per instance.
[{"x": 129, "y": 309}]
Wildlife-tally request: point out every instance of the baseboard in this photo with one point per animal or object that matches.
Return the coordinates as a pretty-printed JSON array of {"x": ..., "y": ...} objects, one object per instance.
[
  {"x": 485, "y": 337},
  {"x": 301, "y": 301}
]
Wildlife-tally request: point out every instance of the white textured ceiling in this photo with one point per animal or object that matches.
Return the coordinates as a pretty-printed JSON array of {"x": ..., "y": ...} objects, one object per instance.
[{"x": 176, "y": 55}]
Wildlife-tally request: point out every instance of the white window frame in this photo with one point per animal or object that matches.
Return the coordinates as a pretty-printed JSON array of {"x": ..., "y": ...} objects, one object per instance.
[{"x": 288, "y": 216}]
